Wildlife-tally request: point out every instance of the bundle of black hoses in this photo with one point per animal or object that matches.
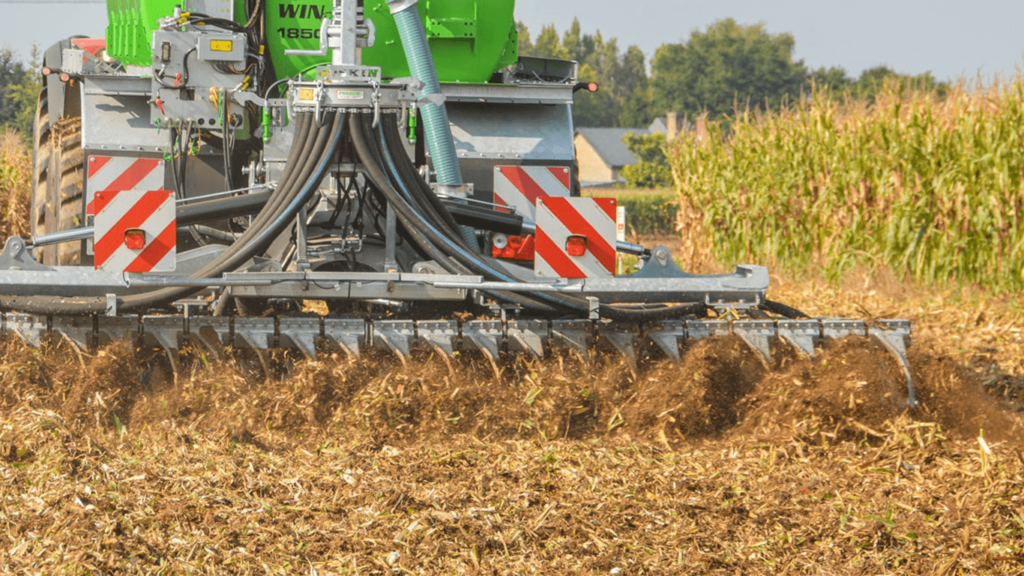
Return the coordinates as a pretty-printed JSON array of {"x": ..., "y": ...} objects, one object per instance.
[
  {"x": 311, "y": 156},
  {"x": 434, "y": 231}
]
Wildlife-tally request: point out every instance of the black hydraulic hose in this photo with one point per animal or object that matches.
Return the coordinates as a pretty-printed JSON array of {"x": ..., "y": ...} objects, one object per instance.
[
  {"x": 254, "y": 240},
  {"x": 423, "y": 234},
  {"x": 452, "y": 244},
  {"x": 409, "y": 174},
  {"x": 404, "y": 212},
  {"x": 782, "y": 310}
]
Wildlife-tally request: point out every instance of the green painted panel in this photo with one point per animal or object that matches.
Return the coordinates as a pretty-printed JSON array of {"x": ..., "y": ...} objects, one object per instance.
[{"x": 470, "y": 39}]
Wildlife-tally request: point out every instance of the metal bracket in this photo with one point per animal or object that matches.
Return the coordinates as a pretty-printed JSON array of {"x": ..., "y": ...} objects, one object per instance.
[
  {"x": 17, "y": 256},
  {"x": 595, "y": 307}
]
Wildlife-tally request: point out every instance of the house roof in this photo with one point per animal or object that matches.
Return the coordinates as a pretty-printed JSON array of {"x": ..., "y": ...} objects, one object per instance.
[
  {"x": 660, "y": 125},
  {"x": 608, "y": 144}
]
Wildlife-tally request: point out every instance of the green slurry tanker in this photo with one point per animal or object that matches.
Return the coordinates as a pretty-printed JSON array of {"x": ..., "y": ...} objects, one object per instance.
[{"x": 400, "y": 161}]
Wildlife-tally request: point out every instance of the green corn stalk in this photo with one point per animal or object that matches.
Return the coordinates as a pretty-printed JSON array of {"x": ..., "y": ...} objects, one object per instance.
[{"x": 931, "y": 188}]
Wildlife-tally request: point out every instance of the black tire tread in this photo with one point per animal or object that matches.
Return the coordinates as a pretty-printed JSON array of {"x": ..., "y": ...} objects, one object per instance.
[{"x": 58, "y": 193}]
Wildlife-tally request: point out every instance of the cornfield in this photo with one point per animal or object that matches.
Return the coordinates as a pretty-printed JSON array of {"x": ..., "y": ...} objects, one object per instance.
[
  {"x": 931, "y": 189},
  {"x": 15, "y": 173}
]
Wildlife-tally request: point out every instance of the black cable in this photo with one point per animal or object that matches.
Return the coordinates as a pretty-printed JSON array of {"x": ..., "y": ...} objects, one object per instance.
[{"x": 782, "y": 310}]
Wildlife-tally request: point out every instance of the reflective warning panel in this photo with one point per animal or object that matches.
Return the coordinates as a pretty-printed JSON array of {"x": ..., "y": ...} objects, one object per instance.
[
  {"x": 108, "y": 173},
  {"x": 135, "y": 231},
  {"x": 519, "y": 187},
  {"x": 575, "y": 237}
]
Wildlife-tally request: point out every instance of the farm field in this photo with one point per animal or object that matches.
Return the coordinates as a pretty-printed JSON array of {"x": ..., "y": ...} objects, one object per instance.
[{"x": 111, "y": 463}]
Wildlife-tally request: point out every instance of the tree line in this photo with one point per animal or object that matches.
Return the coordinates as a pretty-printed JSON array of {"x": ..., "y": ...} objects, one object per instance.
[
  {"x": 716, "y": 71},
  {"x": 19, "y": 89}
]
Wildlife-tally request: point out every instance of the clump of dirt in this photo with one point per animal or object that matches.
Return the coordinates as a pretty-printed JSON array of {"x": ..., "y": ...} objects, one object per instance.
[
  {"x": 855, "y": 387},
  {"x": 702, "y": 397}
]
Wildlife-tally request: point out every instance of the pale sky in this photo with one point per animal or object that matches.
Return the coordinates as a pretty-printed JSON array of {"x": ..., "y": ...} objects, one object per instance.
[{"x": 950, "y": 38}]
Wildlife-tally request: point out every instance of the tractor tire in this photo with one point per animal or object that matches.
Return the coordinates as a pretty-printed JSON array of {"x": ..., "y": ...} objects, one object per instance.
[{"x": 58, "y": 193}]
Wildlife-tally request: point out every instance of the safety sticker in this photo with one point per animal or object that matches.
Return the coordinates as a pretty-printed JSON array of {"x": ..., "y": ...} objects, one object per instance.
[
  {"x": 135, "y": 231},
  {"x": 575, "y": 237}
]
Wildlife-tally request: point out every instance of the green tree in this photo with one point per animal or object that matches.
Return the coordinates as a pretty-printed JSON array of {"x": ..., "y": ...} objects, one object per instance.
[
  {"x": 548, "y": 44},
  {"x": 19, "y": 89},
  {"x": 726, "y": 66},
  {"x": 652, "y": 170},
  {"x": 874, "y": 81},
  {"x": 12, "y": 74},
  {"x": 833, "y": 78},
  {"x": 525, "y": 43},
  {"x": 624, "y": 98}
]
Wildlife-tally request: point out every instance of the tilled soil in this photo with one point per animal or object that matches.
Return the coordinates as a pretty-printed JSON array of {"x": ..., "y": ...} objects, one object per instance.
[{"x": 114, "y": 464}]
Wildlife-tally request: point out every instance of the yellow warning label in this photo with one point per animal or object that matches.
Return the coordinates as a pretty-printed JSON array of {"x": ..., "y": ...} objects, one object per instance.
[
  {"x": 222, "y": 45},
  {"x": 307, "y": 94}
]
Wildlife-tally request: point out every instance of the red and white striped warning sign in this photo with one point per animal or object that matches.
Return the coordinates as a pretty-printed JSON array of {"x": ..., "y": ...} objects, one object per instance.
[
  {"x": 116, "y": 173},
  {"x": 575, "y": 238},
  {"x": 519, "y": 187},
  {"x": 135, "y": 231}
]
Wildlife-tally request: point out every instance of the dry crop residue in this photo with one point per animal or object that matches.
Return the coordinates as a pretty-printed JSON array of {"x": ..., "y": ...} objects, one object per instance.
[{"x": 112, "y": 464}]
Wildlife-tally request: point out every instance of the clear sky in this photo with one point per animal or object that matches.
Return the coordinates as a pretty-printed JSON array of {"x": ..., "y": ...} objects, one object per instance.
[{"x": 950, "y": 38}]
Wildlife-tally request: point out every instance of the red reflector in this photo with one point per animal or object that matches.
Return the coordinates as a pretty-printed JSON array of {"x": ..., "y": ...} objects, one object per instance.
[
  {"x": 576, "y": 245},
  {"x": 135, "y": 239},
  {"x": 64, "y": 77},
  {"x": 593, "y": 87},
  {"x": 47, "y": 71},
  {"x": 515, "y": 242}
]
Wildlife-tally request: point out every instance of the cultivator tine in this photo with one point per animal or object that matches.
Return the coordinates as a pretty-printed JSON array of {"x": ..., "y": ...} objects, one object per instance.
[
  {"x": 801, "y": 334},
  {"x": 396, "y": 335},
  {"x": 757, "y": 335},
  {"x": 163, "y": 331},
  {"x": 892, "y": 335},
  {"x": 212, "y": 333},
  {"x": 110, "y": 330},
  {"x": 484, "y": 335},
  {"x": 301, "y": 333},
  {"x": 438, "y": 335},
  {"x": 624, "y": 342},
  {"x": 574, "y": 335},
  {"x": 528, "y": 336},
  {"x": 79, "y": 330},
  {"x": 667, "y": 335},
  {"x": 258, "y": 333},
  {"x": 167, "y": 333},
  {"x": 28, "y": 327},
  {"x": 350, "y": 334}
]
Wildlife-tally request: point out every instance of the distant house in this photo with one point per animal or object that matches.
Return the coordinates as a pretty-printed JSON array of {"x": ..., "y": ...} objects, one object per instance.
[
  {"x": 660, "y": 125},
  {"x": 602, "y": 154}
]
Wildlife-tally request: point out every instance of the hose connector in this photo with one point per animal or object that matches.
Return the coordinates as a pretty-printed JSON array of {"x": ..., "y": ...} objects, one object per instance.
[{"x": 397, "y": 6}]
